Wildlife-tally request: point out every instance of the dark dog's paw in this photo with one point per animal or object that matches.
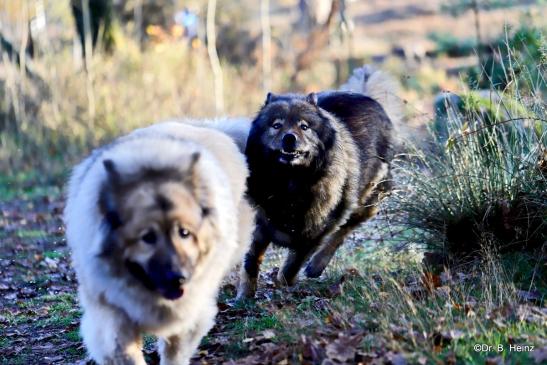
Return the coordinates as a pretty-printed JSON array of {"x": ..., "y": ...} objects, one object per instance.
[
  {"x": 283, "y": 281},
  {"x": 247, "y": 287},
  {"x": 315, "y": 268}
]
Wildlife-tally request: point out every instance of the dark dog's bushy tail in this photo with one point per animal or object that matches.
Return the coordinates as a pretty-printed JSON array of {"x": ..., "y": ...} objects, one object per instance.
[{"x": 381, "y": 87}]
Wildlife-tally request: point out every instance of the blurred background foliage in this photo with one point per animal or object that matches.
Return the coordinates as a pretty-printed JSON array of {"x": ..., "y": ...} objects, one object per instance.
[{"x": 149, "y": 61}]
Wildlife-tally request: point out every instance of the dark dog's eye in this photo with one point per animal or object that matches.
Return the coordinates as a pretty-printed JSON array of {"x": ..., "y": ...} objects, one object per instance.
[
  {"x": 183, "y": 232},
  {"x": 304, "y": 127},
  {"x": 149, "y": 237},
  {"x": 277, "y": 125}
]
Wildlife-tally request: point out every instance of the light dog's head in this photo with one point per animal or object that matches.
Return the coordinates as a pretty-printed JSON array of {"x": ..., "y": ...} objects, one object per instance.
[
  {"x": 291, "y": 130},
  {"x": 158, "y": 225}
]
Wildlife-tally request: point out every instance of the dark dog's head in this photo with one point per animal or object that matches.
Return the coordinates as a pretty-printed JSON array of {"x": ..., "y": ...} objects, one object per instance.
[
  {"x": 291, "y": 130},
  {"x": 157, "y": 227}
]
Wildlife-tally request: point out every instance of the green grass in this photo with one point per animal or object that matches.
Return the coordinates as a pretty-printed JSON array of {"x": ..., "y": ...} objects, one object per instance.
[
  {"x": 252, "y": 326},
  {"x": 31, "y": 184},
  {"x": 54, "y": 254},
  {"x": 31, "y": 233},
  {"x": 73, "y": 336}
]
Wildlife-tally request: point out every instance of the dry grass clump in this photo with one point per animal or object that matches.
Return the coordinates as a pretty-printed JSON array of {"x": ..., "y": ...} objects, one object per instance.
[
  {"x": 486, "y": 183},
  {"x": 63, "y": 111}
]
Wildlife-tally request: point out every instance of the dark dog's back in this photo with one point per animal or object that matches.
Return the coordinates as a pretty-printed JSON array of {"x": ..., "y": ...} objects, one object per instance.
[
  {"x": 364, "y": 117},
  {"x": 368, "y": 124}
]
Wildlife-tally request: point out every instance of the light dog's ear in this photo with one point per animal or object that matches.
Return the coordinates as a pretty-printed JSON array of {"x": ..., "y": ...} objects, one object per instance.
[
  {"x": 107, "y": 202},
  {"x": 312, "y": 99},
  {"x": 111, "y": 172},
  {"x": 194, "y": 158},
  {"x": 194, "y": 179}
]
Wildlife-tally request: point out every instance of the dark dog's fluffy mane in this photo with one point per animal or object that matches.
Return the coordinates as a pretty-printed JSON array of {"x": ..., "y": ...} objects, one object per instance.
[{"x": 316, "y": 193}]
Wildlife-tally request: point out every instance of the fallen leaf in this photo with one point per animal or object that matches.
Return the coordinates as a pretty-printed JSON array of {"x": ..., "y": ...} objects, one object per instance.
[
  {"x": 344, "y": 348},
  {"x": 540, "y": 355},
  {"x": 268, "y": 334},
  {"x": 530, "y": 296},
  {"x": 395, "y": 359}
]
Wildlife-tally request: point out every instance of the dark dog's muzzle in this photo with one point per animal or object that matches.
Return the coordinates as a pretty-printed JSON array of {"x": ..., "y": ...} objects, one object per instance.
[{"x": 288, "y": 143}]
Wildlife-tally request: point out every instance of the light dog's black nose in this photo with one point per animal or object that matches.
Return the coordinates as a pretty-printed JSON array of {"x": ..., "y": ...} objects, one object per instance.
[
  {"x": 174, "y": 279},
  {"x": 171, "y": 288},
  {"x": 289, "y": 142}
]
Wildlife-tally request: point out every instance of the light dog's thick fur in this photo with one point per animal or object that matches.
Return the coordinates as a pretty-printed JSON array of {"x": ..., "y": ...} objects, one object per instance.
[{"x": 155, "y": 220}]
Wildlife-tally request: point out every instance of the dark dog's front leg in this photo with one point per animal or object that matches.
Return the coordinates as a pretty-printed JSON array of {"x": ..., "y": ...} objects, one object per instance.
[
  {"x": 249, "y": 270},
  {"x": 294, "y": 261}
]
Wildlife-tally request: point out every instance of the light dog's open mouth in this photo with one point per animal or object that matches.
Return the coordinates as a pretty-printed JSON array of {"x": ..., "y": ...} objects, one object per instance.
[
  {"x": 171, "y": 293},
  {"x": 171, "y": 290}
]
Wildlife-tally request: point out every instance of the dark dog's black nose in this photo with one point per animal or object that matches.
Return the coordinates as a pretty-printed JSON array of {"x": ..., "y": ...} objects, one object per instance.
[{"x": 289, "y": 142}]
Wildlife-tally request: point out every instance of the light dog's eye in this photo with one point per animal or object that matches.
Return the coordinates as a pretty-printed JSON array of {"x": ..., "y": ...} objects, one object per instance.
[
  {"x": 183, "y": 232},
  {"x": 277, "y": 125},
  {"x": 304, "y": 127},
  {"x": 149, "y": 237}
]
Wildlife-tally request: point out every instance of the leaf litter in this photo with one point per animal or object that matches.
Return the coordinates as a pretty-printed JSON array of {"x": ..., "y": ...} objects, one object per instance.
[{"x": 39, "y": 315}]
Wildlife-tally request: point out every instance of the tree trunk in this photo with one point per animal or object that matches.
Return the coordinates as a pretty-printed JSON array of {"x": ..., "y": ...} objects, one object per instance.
[
  {"x": 476, "y": 13},
  {"x": 137, "y": 13},
  {"x": 266, "y": 45},
  {"x": 213, "y": 56},
  {"x": 318, "y": 39}
]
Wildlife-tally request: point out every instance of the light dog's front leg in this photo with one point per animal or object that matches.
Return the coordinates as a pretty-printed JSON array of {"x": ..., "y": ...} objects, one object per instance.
[
  {"x": 249, "y": 270},
  {"x": 110, "y": 336},
  {"x": 178, "y": 349}
]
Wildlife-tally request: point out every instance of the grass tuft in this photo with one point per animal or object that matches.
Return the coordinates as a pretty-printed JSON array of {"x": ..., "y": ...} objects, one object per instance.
[{"x": 486, "y": 182}]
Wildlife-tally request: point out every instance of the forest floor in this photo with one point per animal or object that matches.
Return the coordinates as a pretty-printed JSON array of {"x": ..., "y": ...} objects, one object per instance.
[{"x": 378, "y": 308}]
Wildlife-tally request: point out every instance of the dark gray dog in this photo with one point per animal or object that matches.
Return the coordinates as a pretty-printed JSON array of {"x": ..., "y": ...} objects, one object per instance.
[{"x": 319, "y": 164}]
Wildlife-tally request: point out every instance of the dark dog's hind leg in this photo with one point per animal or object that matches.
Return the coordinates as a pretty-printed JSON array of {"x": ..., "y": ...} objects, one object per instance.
[
  {"x": 326, "y": 251},
  {"x": 322, "y": 257},
  {"x": 249, "y": 270}
]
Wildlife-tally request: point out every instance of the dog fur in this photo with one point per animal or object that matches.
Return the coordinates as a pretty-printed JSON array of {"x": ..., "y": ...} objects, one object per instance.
[
  {"x": 185, "y": 182},
  {"x": 319, "y": 164}
]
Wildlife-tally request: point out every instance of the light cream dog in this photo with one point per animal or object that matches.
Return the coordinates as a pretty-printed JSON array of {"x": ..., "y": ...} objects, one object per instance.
[{"x": 155, "y": 221}]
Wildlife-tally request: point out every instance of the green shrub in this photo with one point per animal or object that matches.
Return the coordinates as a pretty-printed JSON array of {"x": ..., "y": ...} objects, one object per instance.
[
  {"x": 517, "y": 55},
  {"x": 447, "y": 43}
]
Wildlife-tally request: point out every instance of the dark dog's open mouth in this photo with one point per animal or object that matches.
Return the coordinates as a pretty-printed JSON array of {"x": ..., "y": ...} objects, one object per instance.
[{"x": 287, "y": 157}]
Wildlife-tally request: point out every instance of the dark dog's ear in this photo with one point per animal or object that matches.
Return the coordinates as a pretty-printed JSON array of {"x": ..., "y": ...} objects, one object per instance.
[
  {"x": 269, "y": 98},
  {"x": 312, "y": 99}
]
